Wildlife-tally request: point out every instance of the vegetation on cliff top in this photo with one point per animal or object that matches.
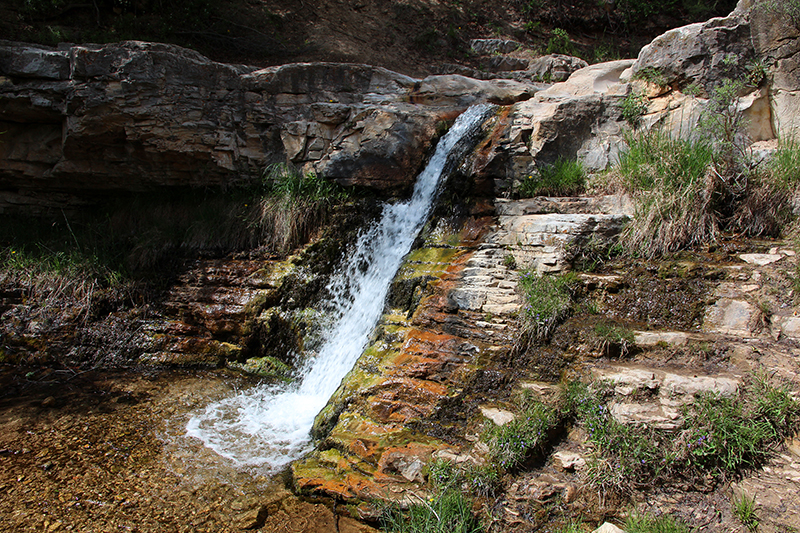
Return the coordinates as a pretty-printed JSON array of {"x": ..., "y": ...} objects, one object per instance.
[{"x": 410, "y": 37}]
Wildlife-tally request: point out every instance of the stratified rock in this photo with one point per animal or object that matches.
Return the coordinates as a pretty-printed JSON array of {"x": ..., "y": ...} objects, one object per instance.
[{"x": 134, "y": 116}]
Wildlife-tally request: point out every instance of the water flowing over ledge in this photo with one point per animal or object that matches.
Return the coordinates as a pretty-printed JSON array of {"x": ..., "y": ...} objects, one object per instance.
[{"x": 268, "y": 426}]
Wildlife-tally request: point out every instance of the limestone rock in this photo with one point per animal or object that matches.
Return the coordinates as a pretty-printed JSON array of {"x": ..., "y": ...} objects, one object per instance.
[
  {"x": 729, "y": 316},
  {"x": 703, "y": 53},
  {"x": 485, "y": 47},
  {"x": 554, "y": 67},
  {"x": 568, "y": 460},
  {"x": 135, "y": 116}
]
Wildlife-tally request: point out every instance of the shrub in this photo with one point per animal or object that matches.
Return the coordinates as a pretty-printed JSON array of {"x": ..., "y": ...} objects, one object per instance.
[
  {"x": 721, "y": 435},
  {"x": 559, "y": 42},
  {"x": 562, "y": 178},
  {"x": 634, "y": 106}
]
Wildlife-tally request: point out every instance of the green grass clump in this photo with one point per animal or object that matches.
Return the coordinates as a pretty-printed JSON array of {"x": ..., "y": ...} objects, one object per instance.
[
  {"x": 644, "y": 523},
  {"x": 548, "y": 300},
  {"x": 744, "y": 507},
  {"x": 720, "y": 436},
  {"x": 448, "y": 511},
  {"x": 668, "y": 179},
  {"x": 613, "y": 335},
  {"x": 512, "y": 443},
  {"x": 563, "y": 178}
]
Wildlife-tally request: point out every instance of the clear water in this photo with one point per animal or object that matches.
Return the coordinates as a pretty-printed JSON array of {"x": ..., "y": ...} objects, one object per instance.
[{"x": 268, "y": 426}]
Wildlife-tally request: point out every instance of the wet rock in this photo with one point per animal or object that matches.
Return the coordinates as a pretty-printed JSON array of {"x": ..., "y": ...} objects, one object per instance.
[
  {"x": 498, "y": 416},
  {"x": 731, "y": 317}
]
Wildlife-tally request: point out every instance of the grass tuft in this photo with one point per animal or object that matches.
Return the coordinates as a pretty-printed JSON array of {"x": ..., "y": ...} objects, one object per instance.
[
  {"x": 563, "y": 178},
  {"x": 744, "y": 507},
  {"x": 644, "y": 523},
  {"x": 548, "y": 300},
  {"x": 449, "y": 511}
]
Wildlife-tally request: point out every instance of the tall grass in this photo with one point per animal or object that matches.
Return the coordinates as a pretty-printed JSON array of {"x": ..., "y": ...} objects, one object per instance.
[
  {"x": 565, "y": 177},
  {"x": 547, "y": 301},
  {"x": 686, "y": 194},
  {"x": 449, "y": 511}
]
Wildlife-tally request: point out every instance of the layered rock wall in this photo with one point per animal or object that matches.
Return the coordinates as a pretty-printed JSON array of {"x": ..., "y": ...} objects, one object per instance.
[{"x": 135, "y": 116}]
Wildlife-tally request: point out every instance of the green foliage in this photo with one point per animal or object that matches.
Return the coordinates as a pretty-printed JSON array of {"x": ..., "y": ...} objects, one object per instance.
[
  {"x": 286, "y": 182},
  {"x": 510, "y": 262},
  {"x": 634, "y": 106},
  {"x": 744, "y": 507},
  {"x": 548, "y": 300},
  {"x": 609, "y": 335},
  {"x": 721, "y": 435},
  {"x": 667, "y": 178},
  {"x": 512, "y": 443},
  {"x": 559, "y": 43},
  {"x": 563, "y": 178},
  {"x": 482, "y": 480},
  {"x": 446, "y": 512},
  {"x": 651, "y": 75},
  {"x": 644, "y": 523}
]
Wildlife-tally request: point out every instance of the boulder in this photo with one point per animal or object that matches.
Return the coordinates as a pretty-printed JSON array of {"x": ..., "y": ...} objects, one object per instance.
[{"x": 702, "y": 54}]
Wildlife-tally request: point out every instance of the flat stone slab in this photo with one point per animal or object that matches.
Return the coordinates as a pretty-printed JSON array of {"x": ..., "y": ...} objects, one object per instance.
[
  {"x": 789, "y": 326},
  {"x": 729, "y": 316},
  {"x": 761, "y": 259},
  {"x": 647, "y": 339}
]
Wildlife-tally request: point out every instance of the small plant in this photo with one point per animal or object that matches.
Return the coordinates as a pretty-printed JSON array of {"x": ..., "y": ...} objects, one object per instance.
[
  {"x": 756, "y": 72},
  {"x": 609, "y": 335},
  {"x": 448, "y": 511},
  {"x": 563, "y": 178},
  {"x": 744, "y": 507},
  {"x": 511, "y": 443},
  {"x": 559, "y": 42},
  {"x": 644, "y": 523},
  {"x": 634, "y": 107},
  {"x": 510, "y": 262},
  {"x": 548, "y": 300},
  {"x": 651, "y": 75}
]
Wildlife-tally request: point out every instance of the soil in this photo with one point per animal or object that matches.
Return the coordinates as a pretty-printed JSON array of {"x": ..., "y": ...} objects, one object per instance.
[
  {"x": 415, "y": 37},
  {"x": 105, "y": 451}
]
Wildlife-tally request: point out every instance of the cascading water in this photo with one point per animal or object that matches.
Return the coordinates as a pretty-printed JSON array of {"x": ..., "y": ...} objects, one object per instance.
[{"x": 267, "y": 427}]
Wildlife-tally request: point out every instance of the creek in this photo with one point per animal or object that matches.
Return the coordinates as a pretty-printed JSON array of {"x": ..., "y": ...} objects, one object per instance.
[{"x": 267, "y": 426}]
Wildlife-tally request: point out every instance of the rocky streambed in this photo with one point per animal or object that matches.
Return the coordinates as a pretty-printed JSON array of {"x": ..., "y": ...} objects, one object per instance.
[{"x": 106, "y": 451}]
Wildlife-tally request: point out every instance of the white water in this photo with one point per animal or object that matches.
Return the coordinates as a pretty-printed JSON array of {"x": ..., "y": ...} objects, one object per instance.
[{"x": 267, "y": 427}]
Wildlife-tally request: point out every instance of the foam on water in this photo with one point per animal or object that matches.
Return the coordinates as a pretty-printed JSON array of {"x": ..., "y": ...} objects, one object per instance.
[{"x": 268, "y": 426}]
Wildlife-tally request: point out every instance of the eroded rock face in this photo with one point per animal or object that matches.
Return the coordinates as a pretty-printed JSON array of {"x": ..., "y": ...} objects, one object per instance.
[{"x": 135, "y": 116}]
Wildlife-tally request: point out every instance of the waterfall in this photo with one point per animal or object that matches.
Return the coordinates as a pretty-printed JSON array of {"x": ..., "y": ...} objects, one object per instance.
[{"x": 268, "y": 426}]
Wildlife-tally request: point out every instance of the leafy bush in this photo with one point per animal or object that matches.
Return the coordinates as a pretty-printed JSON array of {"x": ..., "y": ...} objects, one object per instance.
[
  {"x": 559, "y": 42},
  {"x": 634, "y": 106},
  {"x": 563, "y": 178}
]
